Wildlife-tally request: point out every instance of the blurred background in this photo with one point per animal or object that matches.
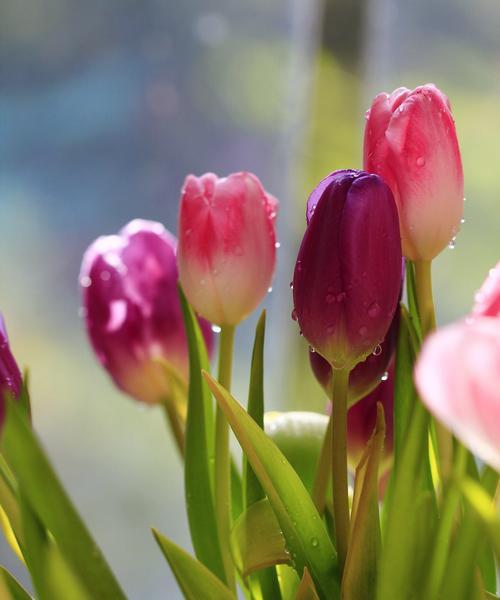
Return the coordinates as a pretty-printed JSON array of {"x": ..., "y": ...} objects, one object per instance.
[{"x": 105, "y": 107}]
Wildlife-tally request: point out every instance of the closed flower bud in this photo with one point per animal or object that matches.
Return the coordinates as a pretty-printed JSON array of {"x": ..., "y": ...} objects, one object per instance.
[
  {"x": 347, "y": 276},
  {"x": 10, "y": 376},
  {"x": 361, "y": 420},
  {"x": 227, "y": 245},
  {"x": 132, "y": 309},
  {"x": 366, "y": 375},
  {"x": 410, "y": 141},
  {"x": 488, "y": 297},
  {"x": 458, "y": 378}
]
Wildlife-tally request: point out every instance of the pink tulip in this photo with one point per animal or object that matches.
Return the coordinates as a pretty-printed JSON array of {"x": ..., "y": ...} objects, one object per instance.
[
  {"x": 227, "y": 245},
  {"x": 410, "y": 140},
  {"x": 132, "y": 309},
  {"x": 10, "y": 375},
  {"x": 458, "y": 377},
  {"x": 488, "y": 297}
]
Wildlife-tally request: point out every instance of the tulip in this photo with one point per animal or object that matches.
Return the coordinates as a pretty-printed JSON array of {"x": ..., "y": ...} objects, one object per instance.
[
  {"x": 10, "y": 376},
  {"x": 458, "y": 378},
  {"x": 227, "y": 245},
  {"x": 361, "y": 420},
  {"x": 347, "y": 276},
  {"x": 410, "y": 141},
  {"x": 367, "y": 374},
  {"x": 132, "y": 310},
  {"x": 488, "y": 297}
]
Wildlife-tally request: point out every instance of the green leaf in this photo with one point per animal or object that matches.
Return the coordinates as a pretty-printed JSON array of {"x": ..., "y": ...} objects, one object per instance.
[
  {"x": 360, "y": 572},
  {"x": 46, "y": 496},
  {"x": 10, "y": 589},
  {"x": 411, "y": 292},
  {"x": 199, "y": 451},
  {"x": 10, "y": 516},
  {"x": 288, "y": 581},
  {"x": 193, "y": 577},
  {"x": 306, "y": 589},
  {"x": 252, "y": 490},
  {"x": 306, "y": 536},
  {"x": 257, "y": 541}
]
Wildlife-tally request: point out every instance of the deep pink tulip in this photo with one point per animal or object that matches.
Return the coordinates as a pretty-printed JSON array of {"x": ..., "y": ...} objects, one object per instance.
[
  {"x": 227, "y": 245},
  {"x": 361, "y": 420},
  {"x": 366, "y": 375},
  {"x": 10, "y": 375},
  {"x": 347, "y": 276},
  {"x": 132, "y": 309},
  {"x": 488, "y": 297},
  {"x": 458, "y": 377},
  {"x": 410, "y": 140}
]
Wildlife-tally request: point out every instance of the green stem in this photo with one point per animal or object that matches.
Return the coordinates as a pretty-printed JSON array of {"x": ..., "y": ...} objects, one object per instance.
[
  {"x": 339, "y": 463},
  {"x": 425, "y": 305},
  {"x": 323, "y": 469},
  {"x": 223, "y": 457}
]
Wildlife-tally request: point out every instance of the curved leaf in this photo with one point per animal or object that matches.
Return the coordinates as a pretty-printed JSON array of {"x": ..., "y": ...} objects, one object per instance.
[
  {"x": 193, "y": 577},
  {"x": 10, "y": 589},
  {"x": 306, "y": 536},
  {"x": 306, "y": 589}
]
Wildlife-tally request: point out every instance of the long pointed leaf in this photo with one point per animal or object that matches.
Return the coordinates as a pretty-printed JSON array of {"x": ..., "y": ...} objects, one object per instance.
[
  {"x": 193, "y": 577},
  {"x": 306, "y": 589},
  {"x": 306, "y": 536},
  {"x": 198, "y": 459},
  {"x": 42, "y": 489},
  {"x": 10, "y": 589}
]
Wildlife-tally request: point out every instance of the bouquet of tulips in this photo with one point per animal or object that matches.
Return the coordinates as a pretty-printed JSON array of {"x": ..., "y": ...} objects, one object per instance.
[{"x": 392, "y": 494}]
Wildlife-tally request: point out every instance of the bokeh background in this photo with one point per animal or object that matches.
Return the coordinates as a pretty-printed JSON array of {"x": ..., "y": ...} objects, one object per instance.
[{"x": 106, "y": 106}]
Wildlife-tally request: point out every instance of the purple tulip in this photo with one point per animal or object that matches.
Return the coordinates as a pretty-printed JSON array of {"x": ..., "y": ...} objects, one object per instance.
[
  {"x": 10, "y": 376},
  {"x": 347, "y": 276},
  {"x": 132, "y": 309},
  {"x": 367, "y": 374}
]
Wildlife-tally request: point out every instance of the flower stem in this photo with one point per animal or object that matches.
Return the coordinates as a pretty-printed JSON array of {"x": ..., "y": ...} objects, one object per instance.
[
  {"x": 425, "y": 304},
  {"x": 323, "y": 469},
  {"x": 223, "y": 457},
  {"x": 339, "y": 463}
]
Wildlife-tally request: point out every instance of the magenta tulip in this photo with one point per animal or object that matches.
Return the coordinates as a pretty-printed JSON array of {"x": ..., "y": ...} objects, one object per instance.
[
  {"x": 458, "y": 377},
  {"x": 132, "y": 309},
  {"x": 366, "y": 375},
  {"x": 227, "y": 245},
  {"x": 10, "y": 375},
  {"x": 410, "y": 140},
  {"x": 347, "y": 276},
  {"x": 488, "y": 297}
]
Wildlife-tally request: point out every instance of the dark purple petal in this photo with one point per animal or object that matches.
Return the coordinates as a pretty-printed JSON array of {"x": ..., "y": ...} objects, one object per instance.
[{"x": 10, "y": 375}]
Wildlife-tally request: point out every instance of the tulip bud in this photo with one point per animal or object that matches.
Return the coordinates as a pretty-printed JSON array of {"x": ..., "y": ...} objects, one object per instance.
[
  {"x": 347, "y": 276},
  {"x": 132, "y": 309},
  {"x": 227, "y": 245},
  {"x": 458, "y": 378},
  {"x": 361, "y": 420},
  {"x": 488, "y": 297},
  {"x": 410, "y": 141},
  {"x": 366, "y": 375},
  {"x": 10, "y": 376}
]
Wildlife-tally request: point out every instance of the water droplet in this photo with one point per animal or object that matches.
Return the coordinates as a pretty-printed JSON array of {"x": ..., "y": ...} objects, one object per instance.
[
  {"x": 187, "y": 232},
  {"x": 385, "y": 376},
  {"x": 202, "y": 282},
  {"x": 453, "y": 243},
  {"x": 85, "y": 281},
  {"x": 283, "y": 461},
  {"x": 377, "y": 351},
  {"x": 314, "y": 542},
  {"x": 291, "y": 285},
  {"x": 341, "y": 296},
  {"x": 374, "y": 310},
  {"x": 330, "y": 298},
  {"x": 301, "y": 333},
  {"x": 269, "y": 289},
  {"x": 105, "y": 275},
  {"x": 298, "y": 266},
  {"x": 363, "y": 330},
  {"x": 294, "y": 314},
  {"x": 312, "y": 350},
  {"x": 330, "y": 329},
  {"x": 462, "y": 220},
  {"x": 277, "y": 245},
  {"x": 216, "y": 329},
  {"x": 420, "y": 161}
]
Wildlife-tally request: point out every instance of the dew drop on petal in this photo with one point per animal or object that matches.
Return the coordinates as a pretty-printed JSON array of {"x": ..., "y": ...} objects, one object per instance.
[
  {"x": 216, "y": 329},
  {"x": 420, "y": 161},
  {"x": 277, "y": 245},
  {"x": 374, "y": 310},
  {"x": 269, "y": 289},
  {"x": 453, "y": 243},
  {"x": 377, "y": 351},
  {"x": 385, "y": 376},
  {"x": 363, "y": 330},
  {"x": 85, "y": 281},
  {"x": 294, "y": 314},
  {"x": 291, "y": 285}
]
